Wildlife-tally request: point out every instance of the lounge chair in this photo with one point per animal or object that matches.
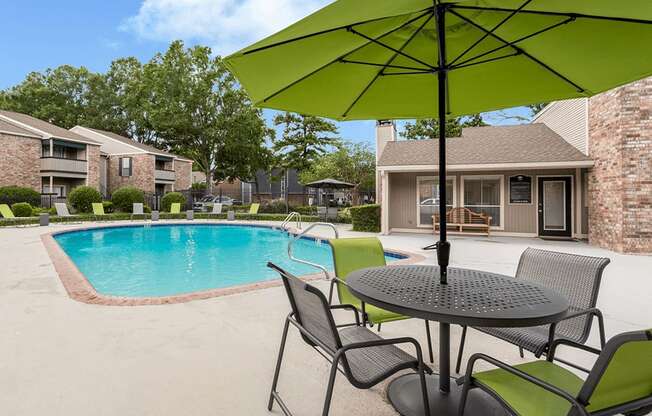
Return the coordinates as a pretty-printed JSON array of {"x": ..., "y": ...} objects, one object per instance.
[
  {"x": 98, "y": 210},
  {"x": 577, "y": 278},
  {"x": 351, "y": 254},
  {"x": 216, "y": 210},
  {"x": 6, "y": 212},
  {"x": 137, "y": 209},
  {"x": 253, "y": 209},
  {"x": 620, "y": 381},
  {"x": 175, "y": 208},
  {"x": 362, "y": 356},
  {"x": 63, "y": 212}
]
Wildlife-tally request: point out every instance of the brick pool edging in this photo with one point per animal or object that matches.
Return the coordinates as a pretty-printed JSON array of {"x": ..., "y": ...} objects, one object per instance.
[{"x": 80, "y": 289}]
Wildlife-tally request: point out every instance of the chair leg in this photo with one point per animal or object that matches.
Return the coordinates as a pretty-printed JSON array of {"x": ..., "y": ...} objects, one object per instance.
[
  {"x": 463, "y": 395},
  {"x": 430, "y": 354},
  {"x": 379, "y": 327},
  {"x": 458, "y": 365},
  {"x": 329, "y": 389},
  {"x": 424, "y": 389},
  {"x": 520, "y": 351},
  {"x": 279, "y": 360}
]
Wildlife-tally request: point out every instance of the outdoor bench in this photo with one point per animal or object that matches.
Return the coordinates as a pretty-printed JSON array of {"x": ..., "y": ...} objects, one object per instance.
[{"x": 463, "y": 218}]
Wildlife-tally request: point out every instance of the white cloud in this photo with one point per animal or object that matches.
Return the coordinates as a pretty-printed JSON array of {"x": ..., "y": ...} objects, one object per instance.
[{"x": 225, "y": 25}]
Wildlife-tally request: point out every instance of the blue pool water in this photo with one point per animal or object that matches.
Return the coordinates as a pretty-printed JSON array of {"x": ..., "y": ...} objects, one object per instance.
[{"x": 165, "y": 260}]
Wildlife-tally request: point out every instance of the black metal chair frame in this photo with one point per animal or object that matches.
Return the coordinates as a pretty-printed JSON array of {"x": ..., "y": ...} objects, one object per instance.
[
  {"x": 365, "y": 320},
  {"x": 639, "y": 407},
  {"x": 591, "y": 313},
  {"x": 337, "y": 357}
]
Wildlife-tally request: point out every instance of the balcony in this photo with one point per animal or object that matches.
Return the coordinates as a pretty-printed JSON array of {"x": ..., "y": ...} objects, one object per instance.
[
  {"x": 67, "y": 167},
  {"x": 161, "y": 175}
]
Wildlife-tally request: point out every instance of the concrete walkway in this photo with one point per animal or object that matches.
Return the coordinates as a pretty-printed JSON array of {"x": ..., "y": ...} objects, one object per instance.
[{"x": 216, "y": 356}]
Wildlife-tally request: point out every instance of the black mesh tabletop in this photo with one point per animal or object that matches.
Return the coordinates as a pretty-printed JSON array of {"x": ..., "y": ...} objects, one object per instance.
[{"x": 471, "y": 297}]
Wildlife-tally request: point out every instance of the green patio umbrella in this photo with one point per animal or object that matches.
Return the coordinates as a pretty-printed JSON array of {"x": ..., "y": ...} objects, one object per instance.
[{"x": 402, "y": 59}]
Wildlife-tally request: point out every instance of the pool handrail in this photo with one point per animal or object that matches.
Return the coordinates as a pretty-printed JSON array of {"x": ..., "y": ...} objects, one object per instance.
[
  {"x": 298, "y": 236},
  {"x": 289, "y": 218}
]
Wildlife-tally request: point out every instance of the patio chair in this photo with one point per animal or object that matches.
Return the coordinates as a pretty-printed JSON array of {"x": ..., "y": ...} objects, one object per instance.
[
  {"x": 321, "y": 212},
  {"x": 253, "y": 209},
  {"x": 351, "y": 254},
  {"x": 98, "y": 210},
  {"x": 363, "y": 357},
  {"x": 175, "y": 208},
  {"x": 6, "y": 212},
  {"x": 137, "y": 209},
  {"x": 574, "y": 276},
  {"x": 217, "y": 209},
  {"x": 620, "y": 381}
]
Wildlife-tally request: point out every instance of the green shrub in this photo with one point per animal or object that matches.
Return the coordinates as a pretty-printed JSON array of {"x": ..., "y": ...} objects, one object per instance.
[
  {"x": 124, "y": 198},
  {"x": 147, "y": 209},
  {"x": 366, "y": 218},
  {"x": 22, "y": 209},
  {"x": 108, "y": 207},
  {"x": 81, "y": 198},
  {"x": 170, "y": 198},
  {"x": 305, "y": 209},
  {"x": 12, "y": 194},
  {"x": 276, "y": 206},
  {"x": 198, "y": 186}
]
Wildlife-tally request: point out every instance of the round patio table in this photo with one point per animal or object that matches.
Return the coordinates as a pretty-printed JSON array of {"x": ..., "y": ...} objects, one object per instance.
[{"x": 470, "y": 297}]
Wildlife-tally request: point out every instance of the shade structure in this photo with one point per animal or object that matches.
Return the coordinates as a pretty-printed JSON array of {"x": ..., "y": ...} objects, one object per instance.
[
  {"x": 330, "y": 183},
  {"x": 393, "y": 59}
]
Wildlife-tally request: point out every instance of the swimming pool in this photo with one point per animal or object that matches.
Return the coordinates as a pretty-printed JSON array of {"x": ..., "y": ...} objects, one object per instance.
[{"x": 173, "y": 259}]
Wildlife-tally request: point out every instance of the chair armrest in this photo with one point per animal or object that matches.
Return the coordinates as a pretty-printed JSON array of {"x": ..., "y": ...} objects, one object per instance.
[
  {"x": 568, "y": 342},
  {"x": 351, "y": 308},
  {"x": 525, "y": 376},
  {"x": 387, "y": 341},
  {"x": 591, "y": 312}
]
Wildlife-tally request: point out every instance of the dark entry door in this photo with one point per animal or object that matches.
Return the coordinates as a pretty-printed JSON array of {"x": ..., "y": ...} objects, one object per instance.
[{"x": 555, "y": 207}]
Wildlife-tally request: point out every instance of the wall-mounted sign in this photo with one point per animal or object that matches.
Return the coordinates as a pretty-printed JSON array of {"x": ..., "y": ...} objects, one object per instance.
[{"x": 520, "y": 189}]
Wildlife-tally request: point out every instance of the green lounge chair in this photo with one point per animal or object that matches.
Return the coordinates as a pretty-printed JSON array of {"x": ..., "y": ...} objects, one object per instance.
[
  {"x": 253, "y": 209},
  {"x": 351, "y": 254},
  {"x": 620, "y": 381},
  {"x": 6, "y": 212},
  {"x": 98, "y": 209},
  {"x": 175, "y": 208}
]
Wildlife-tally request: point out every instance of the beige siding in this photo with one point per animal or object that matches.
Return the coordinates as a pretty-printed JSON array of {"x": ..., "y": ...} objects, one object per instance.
[
  {"x": 518, "y": 218},
  {"x": 568, "y": 118}
]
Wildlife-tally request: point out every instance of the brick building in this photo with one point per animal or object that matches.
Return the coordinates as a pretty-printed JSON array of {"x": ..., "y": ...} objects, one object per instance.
[
  {"x": 47, "y": 158},
  {"x": 615, "y": 130},
  {"x": 126, "y": 162}
]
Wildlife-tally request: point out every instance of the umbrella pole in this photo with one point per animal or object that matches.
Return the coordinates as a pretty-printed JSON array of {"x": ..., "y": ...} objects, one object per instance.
[{"x": 443, "y": 246}]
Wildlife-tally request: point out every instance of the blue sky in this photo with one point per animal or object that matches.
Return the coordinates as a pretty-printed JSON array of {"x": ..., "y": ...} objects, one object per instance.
[{"x": 38, "y": 34}]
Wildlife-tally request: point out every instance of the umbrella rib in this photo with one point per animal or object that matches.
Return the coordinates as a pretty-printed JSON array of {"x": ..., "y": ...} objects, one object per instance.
[
  {"x": 465, "y": 65},
  {"x": 380, "y": 72},
  {"x": 397, "y": 51},
  {"x": 530, "y": 56},
  {"x": 339, "y": 58},
  {"x": 346, "y": 61},
  {"x": 325, "y": 31},
  {"x": 512, "y": 43},
  {"x": 389, "y": 74},
  {"x": 477, "y": 42},
  {"x": 549, "y": 13}
]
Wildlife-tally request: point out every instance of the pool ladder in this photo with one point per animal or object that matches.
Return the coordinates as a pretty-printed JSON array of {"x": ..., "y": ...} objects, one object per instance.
[
  {"x": 302, "y": 233},
  {"x": 292, "y": 215}
]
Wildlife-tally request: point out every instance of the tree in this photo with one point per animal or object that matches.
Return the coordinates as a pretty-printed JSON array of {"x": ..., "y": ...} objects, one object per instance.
[
  {"x": 428, "y": 128},
  {"x": 304, "y": 139},
  {"x": 535, "y": 108},
  {"x": 352, "y": 162},
  {"x": 198, "y": 110}
]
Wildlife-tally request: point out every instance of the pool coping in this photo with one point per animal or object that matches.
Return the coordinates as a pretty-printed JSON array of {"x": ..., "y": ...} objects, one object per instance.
[{"x": 80, "y": 289}]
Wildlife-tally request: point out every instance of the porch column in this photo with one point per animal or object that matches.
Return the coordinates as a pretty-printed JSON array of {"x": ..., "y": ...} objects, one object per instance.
[
  {"x": 579, "y": 183},
  {"x": 51, "y": 183},
  {"x": 384, "y": 203},
  {"x": 51, "y": 147}
]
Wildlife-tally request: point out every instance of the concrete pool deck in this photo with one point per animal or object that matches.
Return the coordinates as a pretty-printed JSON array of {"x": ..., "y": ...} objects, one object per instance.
[{"x": 216, "y": 356}]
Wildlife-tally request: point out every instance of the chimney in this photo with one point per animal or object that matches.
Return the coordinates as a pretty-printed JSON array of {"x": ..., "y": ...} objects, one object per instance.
[{"x": 385, "y": 132}]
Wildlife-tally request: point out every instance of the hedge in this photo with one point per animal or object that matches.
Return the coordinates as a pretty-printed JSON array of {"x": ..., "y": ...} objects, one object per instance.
[
  {"x": 22, "y": 209},
  {"x": 124, "y": 198},
  {"x": 170, "y": 198},
  {"x": 81, "y": 198},
  {"x": 13, "y": 194},
  {"x": 366, "y": 218}
]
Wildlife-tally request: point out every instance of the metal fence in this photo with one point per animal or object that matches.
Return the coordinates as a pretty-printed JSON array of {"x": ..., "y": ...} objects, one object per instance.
[{"x": 48, "y": 200}]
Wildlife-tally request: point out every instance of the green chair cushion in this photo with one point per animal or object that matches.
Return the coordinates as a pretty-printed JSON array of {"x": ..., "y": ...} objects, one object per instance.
[
  {"x": 175, "y": 208},
  {"x": 98, "y": 208},
  {"x": 628, "y": 377},
  {"x": 526, "y": 398},
  {"x": 351, "y": 254},
  {"x": 6, "y": 212},
  {"x": 253, "y": 209}
]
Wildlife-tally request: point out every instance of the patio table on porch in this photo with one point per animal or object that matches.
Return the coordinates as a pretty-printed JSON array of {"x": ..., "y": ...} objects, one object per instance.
[{"x": 470, "y": 297}]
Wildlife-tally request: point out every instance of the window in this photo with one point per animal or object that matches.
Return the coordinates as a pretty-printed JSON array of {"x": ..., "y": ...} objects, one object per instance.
[
  {"x": 428, "y": 198},
  {"x": 125, "y": 166},
  {"x": 484, "y": 194},
  {"x": 57, "y": 190}
]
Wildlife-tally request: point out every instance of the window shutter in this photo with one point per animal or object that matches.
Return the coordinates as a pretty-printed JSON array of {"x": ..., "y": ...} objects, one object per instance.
[
  {"x": 120, "y": 166},
  {"x": 131, "y": 164}
]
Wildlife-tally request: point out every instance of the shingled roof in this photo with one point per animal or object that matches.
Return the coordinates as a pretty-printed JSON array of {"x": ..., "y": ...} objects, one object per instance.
[
  {"x": 130, "y": 142},
  {"x": 526, "y": 143},
  {"x": 42, "y": 128}
]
